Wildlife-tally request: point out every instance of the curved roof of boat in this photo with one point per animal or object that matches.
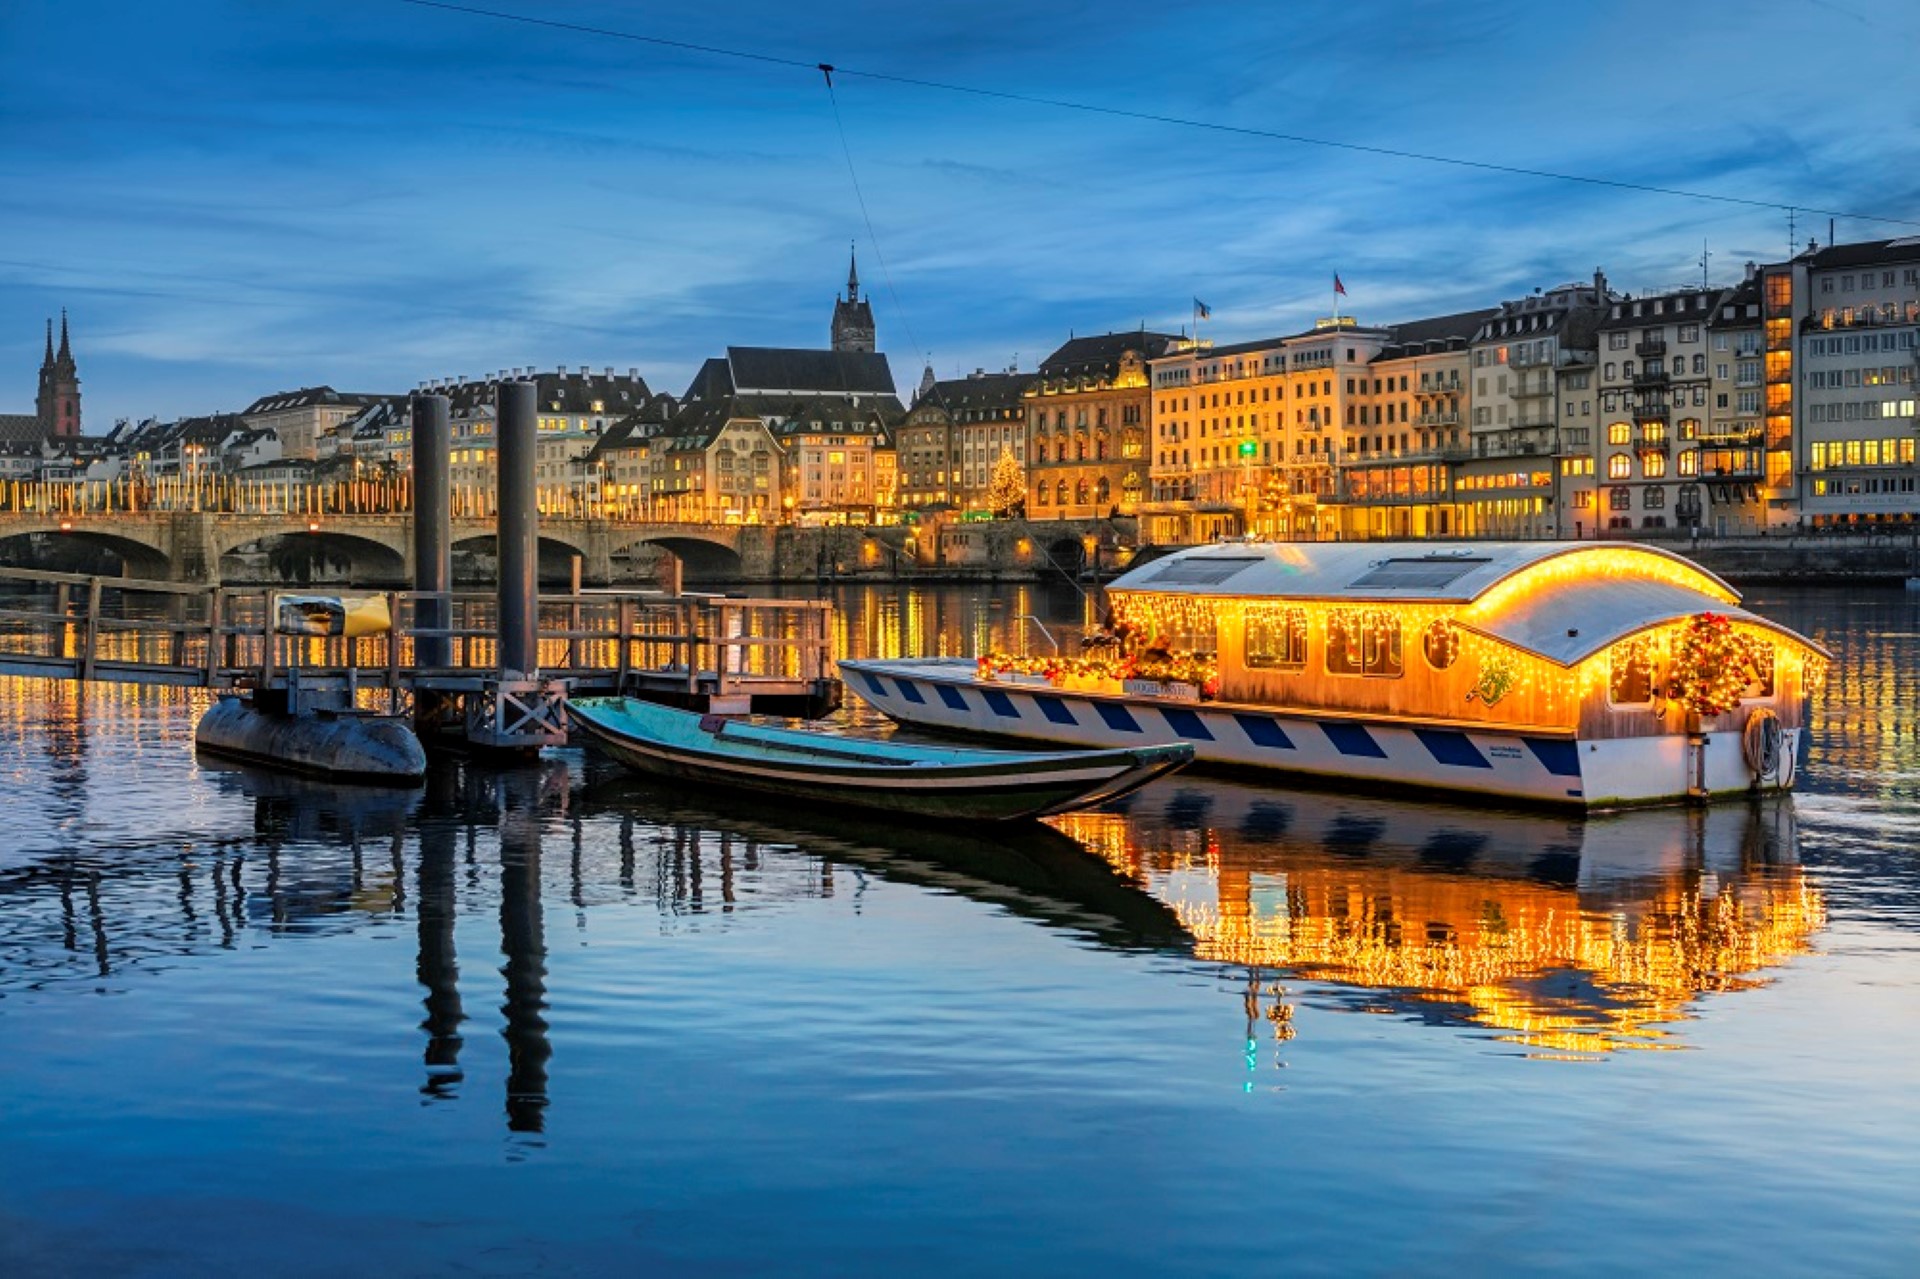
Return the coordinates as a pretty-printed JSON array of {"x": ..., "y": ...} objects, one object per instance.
[{"x": 1562, "y": 600}]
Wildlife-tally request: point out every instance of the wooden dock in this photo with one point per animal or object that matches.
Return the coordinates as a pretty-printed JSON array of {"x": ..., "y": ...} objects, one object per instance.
[{"x": 700, "y": 651}]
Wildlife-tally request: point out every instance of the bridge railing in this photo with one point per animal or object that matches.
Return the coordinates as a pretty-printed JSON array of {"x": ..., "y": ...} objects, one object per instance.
[{"x": 73, "y": 626}]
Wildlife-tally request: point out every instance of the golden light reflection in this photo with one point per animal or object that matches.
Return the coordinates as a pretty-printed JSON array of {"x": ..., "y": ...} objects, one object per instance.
[{"x": 1564, "y": 937}]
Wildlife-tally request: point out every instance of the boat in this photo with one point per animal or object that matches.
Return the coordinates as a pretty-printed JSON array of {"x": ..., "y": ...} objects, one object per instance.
[
  {"x": 902, "y": 778},
  {"x": 1571, "y": 674}
]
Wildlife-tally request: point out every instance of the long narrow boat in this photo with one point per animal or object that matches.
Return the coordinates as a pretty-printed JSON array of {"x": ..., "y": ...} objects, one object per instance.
[
  {"x": 895, "y": 777},
  {"x": 1591, "y": 676}
]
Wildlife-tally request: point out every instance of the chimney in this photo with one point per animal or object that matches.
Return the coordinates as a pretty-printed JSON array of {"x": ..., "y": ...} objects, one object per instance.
[
  {"x": 634, "y": 374},
  {"x": 1599, "y": 285},
  {"x": 609, "y": 370},
  {"x": 1752, "y": 270}
]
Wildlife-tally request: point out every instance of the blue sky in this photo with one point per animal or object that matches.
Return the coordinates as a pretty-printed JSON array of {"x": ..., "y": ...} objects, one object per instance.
[{"x": 234, "y": 197}]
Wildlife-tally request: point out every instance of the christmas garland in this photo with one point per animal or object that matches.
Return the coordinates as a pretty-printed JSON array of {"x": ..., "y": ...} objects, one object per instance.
[
  {"x": 1163, "y": 666},
  {"x": 1712, "y": 665},
  {"x": 1498, "y": 674}
]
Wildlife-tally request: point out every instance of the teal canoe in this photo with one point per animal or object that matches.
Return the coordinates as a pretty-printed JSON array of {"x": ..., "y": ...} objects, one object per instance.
[{"x": 944, "y": 783}]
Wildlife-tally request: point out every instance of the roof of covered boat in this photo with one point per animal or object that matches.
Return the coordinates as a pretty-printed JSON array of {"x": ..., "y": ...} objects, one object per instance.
[
  {"x": 1457, "y": 572},
  {"x": 1563, "y": 600}
]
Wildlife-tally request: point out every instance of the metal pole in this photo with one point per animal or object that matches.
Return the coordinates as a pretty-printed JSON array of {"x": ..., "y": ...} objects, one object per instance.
[
  {"x": 432, "y": 529},
  {"x": 517, "y": 434}
]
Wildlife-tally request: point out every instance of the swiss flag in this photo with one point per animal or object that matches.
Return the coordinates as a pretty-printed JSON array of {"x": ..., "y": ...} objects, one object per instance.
[{"x": 1338, "y": 287}]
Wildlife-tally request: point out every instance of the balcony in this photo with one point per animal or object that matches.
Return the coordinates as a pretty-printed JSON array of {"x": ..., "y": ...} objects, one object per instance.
[
  {"x": 1437, "y": 419},
  {"x": 1528, "y": 360},
  {"x": 1537, "y": 390},
  {"x": 1650, "y": 413},
  {"x": 1650, "y": 377},
  {"x": 1654, "y": 444},
  {"x": 1650, "y": 346},
  {"x": 1430, "y": 385}
]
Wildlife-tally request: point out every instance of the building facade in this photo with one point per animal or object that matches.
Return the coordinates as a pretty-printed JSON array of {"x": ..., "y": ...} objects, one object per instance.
[
  {"x": 1656, "y": 402},
  {"x": 1087, "y": 414},
  {"x": 954, "y": 435}
]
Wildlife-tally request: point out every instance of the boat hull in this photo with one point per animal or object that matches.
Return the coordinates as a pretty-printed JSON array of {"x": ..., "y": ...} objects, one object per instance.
[
  {"x": 1521, "y": 766},
  {"x": 1029, "y": 786}
]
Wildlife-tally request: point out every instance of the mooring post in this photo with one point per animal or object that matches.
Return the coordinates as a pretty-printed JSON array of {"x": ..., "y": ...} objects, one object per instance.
[
  {"x": 432, "y": 531},
  {"x": 519, "y": 530}
]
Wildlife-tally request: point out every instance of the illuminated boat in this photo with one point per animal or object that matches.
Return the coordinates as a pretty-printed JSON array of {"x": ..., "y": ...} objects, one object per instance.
[
  {"x": 899, "y": 778},
  {"x": 1572, "y": 674}
]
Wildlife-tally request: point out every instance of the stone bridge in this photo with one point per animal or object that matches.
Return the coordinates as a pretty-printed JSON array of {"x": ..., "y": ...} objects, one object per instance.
[{"x": 187, "y": 546}]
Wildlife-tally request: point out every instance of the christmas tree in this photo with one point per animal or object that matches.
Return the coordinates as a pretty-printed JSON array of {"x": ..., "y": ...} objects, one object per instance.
[{"x": 1007, "y": 490}]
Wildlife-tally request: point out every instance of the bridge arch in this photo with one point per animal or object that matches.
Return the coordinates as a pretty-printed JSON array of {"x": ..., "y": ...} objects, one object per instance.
[
  {"x": 476, "y": 558},
  {"x": 306, "y": 555},
  {"x": 704, "y": 557},
  {"x": 82, "y": 548}
]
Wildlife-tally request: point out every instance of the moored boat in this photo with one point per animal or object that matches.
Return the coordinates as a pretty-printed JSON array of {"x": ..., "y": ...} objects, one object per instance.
[
  {"x": 1572, "y": 674},
  {"x": 896, "y": 777}
]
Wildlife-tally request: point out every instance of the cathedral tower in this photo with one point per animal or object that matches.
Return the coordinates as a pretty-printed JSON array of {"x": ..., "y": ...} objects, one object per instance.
[
  {"x": 852, "y": 315},
  {"x": 58, "y": 404}
]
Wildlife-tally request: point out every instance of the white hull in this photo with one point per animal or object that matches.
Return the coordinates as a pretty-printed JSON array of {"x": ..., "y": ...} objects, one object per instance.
[{"x": 945, "y": 693}]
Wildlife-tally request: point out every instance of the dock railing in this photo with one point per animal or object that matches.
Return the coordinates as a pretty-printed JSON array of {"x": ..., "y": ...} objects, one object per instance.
[{"x": 72, "y": 626}]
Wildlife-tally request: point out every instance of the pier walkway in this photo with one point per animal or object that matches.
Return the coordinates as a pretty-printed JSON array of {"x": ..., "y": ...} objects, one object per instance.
[{"x": 700, "y": 651}]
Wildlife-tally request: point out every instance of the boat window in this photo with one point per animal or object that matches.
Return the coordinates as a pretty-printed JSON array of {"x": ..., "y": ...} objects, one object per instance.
[
  {"x": 1364, "y": 641},
  {"x": 1630, "y": 673},
  {"x": 1276, "y": 637},
  {"x": 1760, "y": 682},
  {"x": 1441, "y": 644}
]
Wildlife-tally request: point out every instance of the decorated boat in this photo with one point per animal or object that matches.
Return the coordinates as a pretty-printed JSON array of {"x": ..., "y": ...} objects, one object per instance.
[
  {"x": 848, "y": 772},
  {"x": 1572, "y": 674}
]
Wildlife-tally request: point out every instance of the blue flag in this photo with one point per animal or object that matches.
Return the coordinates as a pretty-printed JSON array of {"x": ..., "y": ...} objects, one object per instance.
[{"x": 1202, "y": 310}]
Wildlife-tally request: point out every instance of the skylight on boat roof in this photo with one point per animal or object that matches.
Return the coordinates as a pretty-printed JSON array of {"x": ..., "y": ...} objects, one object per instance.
[
  {"x": 1205, "y": 570},
  {"x": 1420, "y": 574}
]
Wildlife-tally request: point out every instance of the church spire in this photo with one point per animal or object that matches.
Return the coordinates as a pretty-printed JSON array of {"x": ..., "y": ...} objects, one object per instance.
[
  {"x": 48, "y": 362},
  {"x": 66, "y": 352},
  {"x": 853, "y": 275}
]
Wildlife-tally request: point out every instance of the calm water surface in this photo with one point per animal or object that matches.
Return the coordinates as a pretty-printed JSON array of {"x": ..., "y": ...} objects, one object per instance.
[{"x": 558, "y": 1020}]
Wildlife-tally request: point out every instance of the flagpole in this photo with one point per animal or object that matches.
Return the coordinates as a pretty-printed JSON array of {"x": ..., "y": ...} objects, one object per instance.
[{"x": 1336, "y": 296}]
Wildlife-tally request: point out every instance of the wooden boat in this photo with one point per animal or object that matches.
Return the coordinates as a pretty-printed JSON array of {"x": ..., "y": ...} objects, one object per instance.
[
  {"x": 896, "y": 777},
  {"x": 1587, "y": 675}
]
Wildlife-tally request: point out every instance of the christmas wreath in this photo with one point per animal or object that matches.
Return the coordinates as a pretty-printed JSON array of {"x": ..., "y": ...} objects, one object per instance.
[{"x": 1712, "y": 665}]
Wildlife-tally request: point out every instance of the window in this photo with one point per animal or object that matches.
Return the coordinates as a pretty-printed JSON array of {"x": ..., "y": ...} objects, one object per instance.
[
  {"x": 1630, "y": 673},
  {"x": 1654, "y": 465},
  {"x": 1619, "y": 467},
  {"x": 1760, "y": 670},
  {"x": 1441, "y": 644},
  {"x": 1619, "y": 499},
  {"x": 1276, "y": 638},
  {"x": 1364, "y": 642},
  {"x": 1620, "y": 433},
  {"x": 1654, "y": 498}
]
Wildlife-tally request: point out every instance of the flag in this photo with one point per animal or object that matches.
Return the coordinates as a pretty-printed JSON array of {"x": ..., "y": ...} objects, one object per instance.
[
  {"x": 1202, "y": 310},
  {"x": 1338, "y": 287}
]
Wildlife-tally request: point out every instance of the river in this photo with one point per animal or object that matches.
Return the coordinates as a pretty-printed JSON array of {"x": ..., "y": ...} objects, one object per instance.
[{"x": 559, "y": 1020}]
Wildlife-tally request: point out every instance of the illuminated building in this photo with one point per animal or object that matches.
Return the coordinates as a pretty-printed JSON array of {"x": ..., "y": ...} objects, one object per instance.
[
  {"x": 573, "y": 409},
  {"x": 1733, "y": 473},
  {"x": 1533, "y": 399},
  {"x": 1656, "y": 401},
  {"x": 303, "y": 418},
  {"x": 56, "y": 414},
  {"x": 1397, "y": 471},
  {"x": 1842, "y": 333},
  {"x": 1087, "y": 413},
  {"x": 955, "y": 433},
  {"x": 1247, "y": 437}
]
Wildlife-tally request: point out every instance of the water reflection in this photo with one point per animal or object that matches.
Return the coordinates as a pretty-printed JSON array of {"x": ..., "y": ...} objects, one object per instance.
[{"x": 1561, "y": 935}]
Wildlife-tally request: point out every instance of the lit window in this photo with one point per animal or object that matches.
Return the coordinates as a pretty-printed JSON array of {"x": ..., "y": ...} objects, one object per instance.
[{"x": 1276, "y": 638}]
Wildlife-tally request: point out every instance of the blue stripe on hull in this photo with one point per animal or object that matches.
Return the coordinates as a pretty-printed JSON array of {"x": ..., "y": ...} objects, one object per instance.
[
  {"x": 1352, "y": 739},
  {"x": 1450, "y": 747},
  {"x": 1475, "y": 761}
]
